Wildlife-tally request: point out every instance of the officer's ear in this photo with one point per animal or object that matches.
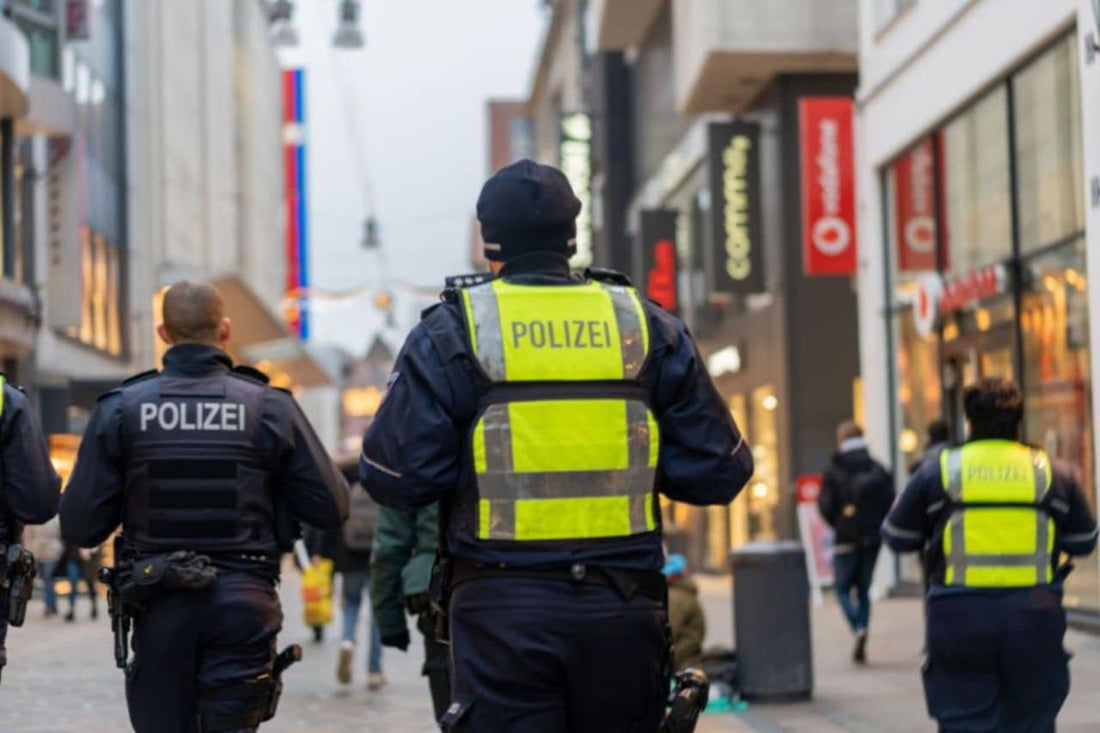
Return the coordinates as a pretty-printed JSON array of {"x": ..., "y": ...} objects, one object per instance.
[
  {"x": 225, "y": 330},
  {"x": 163, "y": 333}
]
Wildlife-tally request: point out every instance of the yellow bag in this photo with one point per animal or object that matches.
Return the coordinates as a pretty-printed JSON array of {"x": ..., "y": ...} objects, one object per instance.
[{"x": 317, "y": 593}]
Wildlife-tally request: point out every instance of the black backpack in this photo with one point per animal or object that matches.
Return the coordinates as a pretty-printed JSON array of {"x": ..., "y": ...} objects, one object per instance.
[{"x": 362, "y": 518}]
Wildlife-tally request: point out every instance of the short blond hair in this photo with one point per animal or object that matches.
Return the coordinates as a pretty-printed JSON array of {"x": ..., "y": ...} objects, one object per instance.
[
  {"x": 193, "y": 312},
  {"x": 847, "y": 430}
]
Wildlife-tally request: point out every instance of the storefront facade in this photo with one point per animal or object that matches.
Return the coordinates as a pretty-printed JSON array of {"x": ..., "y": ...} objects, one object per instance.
[{"x": 975, "y": 213}]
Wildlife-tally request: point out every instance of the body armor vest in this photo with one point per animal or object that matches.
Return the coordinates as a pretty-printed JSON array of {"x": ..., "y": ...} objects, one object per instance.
[{"x": 195, "y": 477}]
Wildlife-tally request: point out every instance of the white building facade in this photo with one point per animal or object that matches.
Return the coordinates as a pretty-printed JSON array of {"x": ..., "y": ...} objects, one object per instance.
[{"x": 979, "y": 222}]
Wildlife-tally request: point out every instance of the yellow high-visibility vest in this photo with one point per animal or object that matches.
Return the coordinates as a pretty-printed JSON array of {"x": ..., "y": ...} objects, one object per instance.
[
  {"x": 999, "y": 535},
  {"x": 566, "y": 446}
]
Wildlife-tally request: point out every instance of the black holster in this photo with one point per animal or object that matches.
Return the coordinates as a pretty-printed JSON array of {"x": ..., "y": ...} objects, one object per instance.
[
  {"x": 18, "y": 581},
  {"x": 439, "y": 595}
]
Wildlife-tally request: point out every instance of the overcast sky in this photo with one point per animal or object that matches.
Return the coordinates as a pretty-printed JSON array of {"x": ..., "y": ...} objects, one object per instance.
[{"x": 418, "y": 88}]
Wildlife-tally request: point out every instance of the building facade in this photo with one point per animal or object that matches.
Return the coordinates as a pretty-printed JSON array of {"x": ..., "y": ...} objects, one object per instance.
[
  {"x": 700, "y": 177},
  {"x": 980, "y": 210}
]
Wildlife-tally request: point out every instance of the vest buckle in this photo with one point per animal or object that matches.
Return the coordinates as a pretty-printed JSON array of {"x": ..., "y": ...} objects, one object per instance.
[{"x": 578, "y": 571}]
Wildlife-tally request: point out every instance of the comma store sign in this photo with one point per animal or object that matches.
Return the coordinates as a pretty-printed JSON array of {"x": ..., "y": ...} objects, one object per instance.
[
  {"x": 576, "y": 164},
  {"x": 733, "y": 162}
]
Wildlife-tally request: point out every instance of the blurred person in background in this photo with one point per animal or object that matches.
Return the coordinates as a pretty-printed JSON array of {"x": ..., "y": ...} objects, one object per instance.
[
  {"x": 938, "y": 438},
  {"x": 405, "y": 544},
  {"x": 856, "y": 494},
  {"x": 685, "y": 613},
  {"x": 46, "y": 545},
  {"x": 77, "y": 564},
  {"x": 994, "y": 516},
  {"x": 351, "y": 553}
]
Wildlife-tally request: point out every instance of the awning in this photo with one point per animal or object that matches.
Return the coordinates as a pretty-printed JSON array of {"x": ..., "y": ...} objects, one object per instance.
[
  {"x": 260, "y": 338},
  {"x": 15, "y": 70}
]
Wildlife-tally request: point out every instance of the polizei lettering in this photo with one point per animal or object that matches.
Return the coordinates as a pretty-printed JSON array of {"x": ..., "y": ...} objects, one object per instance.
[
  {"x": 990, "y": 473},
  {"x": 188, "y": 416},
  {"x": 563, "y": 334}
]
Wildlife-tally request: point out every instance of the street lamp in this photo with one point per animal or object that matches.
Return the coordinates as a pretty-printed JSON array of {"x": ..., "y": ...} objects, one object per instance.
[
  {"x": 348, "y": 34},
  {"x": 280, "y": 17}
]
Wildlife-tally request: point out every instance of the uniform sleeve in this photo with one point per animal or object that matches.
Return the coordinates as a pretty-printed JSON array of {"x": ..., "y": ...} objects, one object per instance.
[
  {"x": 394, "y": 542},
  {"x": 1076, "y": 526},
  {"x": 907, "y": 528},
  {"x": 315, "y": 489},
  {"x": 91, "y": 507},
  {"x": 703, "y": 459},
  {"x": 412, "y": 452},
  {"x": 30, "y": 484}
]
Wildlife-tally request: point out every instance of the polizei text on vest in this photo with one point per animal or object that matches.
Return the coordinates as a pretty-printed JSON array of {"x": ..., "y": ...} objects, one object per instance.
[{"x": 227, "y": 416}]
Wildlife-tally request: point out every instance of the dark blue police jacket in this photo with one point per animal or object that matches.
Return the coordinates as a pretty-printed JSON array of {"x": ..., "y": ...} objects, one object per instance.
[{"x": 417, "y": 450}]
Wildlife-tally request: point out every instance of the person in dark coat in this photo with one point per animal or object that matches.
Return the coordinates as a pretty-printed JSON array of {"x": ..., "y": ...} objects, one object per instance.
[
  {"x": 549, "y": 494},
  {"x": 856, "y": 494},
  {"x": 938, "y": 438}
]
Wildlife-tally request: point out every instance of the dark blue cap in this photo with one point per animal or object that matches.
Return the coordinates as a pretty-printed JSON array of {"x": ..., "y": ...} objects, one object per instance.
[{"x": 527, "y": 207}]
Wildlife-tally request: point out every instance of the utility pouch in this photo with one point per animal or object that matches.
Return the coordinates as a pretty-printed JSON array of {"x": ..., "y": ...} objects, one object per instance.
[
  {"x": 439, "y": 593},
  {"x": 18, "y": 582}
]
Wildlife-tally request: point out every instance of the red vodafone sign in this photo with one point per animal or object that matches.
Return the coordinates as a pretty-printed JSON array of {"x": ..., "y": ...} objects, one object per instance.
[
  {"x": 915, "y": 220},
  {"x": 808, "y": 487},
  {"x": 828, "y": 186}
]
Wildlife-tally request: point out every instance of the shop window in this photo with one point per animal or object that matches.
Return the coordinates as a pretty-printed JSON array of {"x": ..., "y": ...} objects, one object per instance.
[
  {"x": 975, "y": 182},
  {"x": 101, "y": 292},
  {"x": 1057, "y": 392},
  {"x": 739, "y": 513},
  {"x": 763, "y": 490},
  {"x": 39, "y": 24},
  {"x": 1047, "y": 109}
]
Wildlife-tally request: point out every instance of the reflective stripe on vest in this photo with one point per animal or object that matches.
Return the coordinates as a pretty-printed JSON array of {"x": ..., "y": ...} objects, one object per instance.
[
  {"x": 1010, "y": 542},
  {"x": 570, "y": 467}
]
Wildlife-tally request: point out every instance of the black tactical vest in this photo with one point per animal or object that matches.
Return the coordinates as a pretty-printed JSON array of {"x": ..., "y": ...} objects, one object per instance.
[{"x": 195, "y": 475}]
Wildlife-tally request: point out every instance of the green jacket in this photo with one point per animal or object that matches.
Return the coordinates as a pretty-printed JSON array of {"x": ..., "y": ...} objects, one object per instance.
[{"x": 401, "y": 566}]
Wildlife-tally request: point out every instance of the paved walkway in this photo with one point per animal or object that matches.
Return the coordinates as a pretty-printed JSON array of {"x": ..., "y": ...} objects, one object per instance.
[
  {"x": 886, "y": 695},
  {"x": 61, "y": 678}
]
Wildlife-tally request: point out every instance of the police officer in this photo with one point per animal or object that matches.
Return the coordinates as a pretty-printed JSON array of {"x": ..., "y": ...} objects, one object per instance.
[
  {"x": 199, "y": 457},
  {"x": 547, "y": 410},
  {"x": 29, "y": 485},
  {"x": 996, "y": 515}
]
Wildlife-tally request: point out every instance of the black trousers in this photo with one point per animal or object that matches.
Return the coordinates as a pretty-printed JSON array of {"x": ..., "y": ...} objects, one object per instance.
[
  {"x": 551, "y": 656},
  {"x": 995, "y": 661},
  {"x": 190, "y": 641},
  {"x": 437, "y": 665}
]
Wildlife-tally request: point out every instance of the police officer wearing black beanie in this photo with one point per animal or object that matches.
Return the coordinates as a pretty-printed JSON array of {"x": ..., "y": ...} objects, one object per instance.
[{"x": 546, "y": 410}]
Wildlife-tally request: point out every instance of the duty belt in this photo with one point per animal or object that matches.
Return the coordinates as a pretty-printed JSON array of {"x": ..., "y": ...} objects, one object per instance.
[{"x": 627, "y": 583}]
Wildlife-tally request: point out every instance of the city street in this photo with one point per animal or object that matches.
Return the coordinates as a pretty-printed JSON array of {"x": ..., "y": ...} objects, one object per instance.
[{"x": 62, "y": 678}]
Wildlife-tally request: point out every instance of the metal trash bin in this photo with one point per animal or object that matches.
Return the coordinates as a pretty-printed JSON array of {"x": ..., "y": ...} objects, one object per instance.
[{"x": 771, "y": 621}]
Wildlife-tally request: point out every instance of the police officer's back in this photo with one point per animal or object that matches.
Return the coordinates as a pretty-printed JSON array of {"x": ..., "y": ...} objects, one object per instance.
[
  {"x": 200, "y": 457},
  {"x": 996, "y": 516},
  {"x": 546, "y": 411},
  {"x": 29, "y": 486}
]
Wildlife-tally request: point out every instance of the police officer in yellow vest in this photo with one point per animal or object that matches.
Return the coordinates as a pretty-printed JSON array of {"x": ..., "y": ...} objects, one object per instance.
[
  {"x": 547, "y": 410},
  {"x": 994, "y": 517}
]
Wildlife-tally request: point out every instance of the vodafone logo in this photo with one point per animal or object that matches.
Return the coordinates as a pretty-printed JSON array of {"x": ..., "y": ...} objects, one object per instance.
[
  {"x": 926, "y": 303},
  {"x": 920, "y": 234},
  {"x": 831, "y": 236}
]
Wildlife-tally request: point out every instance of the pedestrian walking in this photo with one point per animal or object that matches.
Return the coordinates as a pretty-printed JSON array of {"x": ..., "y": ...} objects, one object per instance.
[
  {"x": 203, "y": 464},
  {"x": 351, "y": 551},
  {"x": 546, "y": 410},
  {"x": 29, "y": 489},
  {"x": 938, "y": 437},
  {"x": 45, "y": 544},
  {"x": 404, "y": 549},
  {"x": 996, "y": 516},
  {"x": 76, "y": 563},
  {"x": 856, "y": 494}
]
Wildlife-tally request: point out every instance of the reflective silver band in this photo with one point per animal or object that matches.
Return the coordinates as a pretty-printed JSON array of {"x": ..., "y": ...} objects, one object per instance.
[
  {"x": 1039, "y": 465},
  {"x": 637, "y": 433},
  {"x": 1006, "y": 561},
  {"x": 638, "y": 520},
  {"x": 954, "y": 474},
  {"x": 957, "y": 558},
  {"x": 1042, "y": 547},
  {"x": 502, "y": 520},
  {"x": 634, "y": 481},
  {"x": 631, "y": 337},
  {"x": 485, "y": 330},
  {"x": 498, "y": 439}
]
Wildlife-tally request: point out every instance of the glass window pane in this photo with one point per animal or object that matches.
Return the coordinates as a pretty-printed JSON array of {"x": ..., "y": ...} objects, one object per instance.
[
  {"x": 1047, "y": 106},
  {"x": 763, "y": 492},
  {"x": 1057, "y": 389},
  {"x": 43, "y": 46},
  {"x": 976, "y": 185}
]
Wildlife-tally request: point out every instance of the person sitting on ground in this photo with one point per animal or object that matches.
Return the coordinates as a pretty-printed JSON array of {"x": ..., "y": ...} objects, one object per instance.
[
  {"x": 685, "y": 613},
  {"x": 856, "y": 494}
]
